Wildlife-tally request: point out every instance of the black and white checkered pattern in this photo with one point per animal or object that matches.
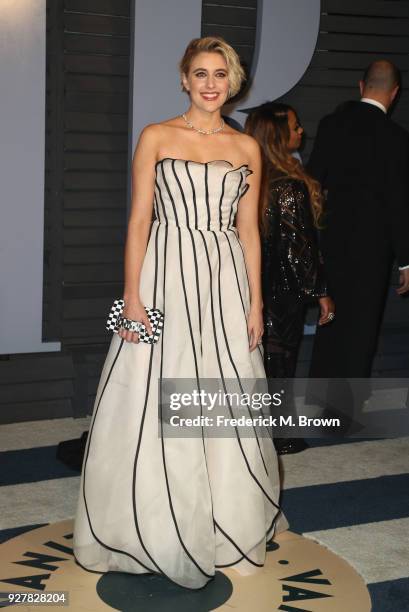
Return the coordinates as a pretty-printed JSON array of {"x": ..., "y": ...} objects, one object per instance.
[
  {"x": 155, "y": 317},
  {"x": 114, "y": 314}
]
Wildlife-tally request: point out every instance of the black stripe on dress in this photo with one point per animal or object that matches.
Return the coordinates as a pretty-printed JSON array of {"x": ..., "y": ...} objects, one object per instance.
[
  {"x": 181, "y": 272},
  {"x": 103, "y": 544},
  {"x": 254, "y": 477},
  {"x": 171, "y": 199},
  {"x": 270, "y": 435},
  {"x": 196, "y": 369},
  {"x": 223, "y": 565},
  {"x": 243, "y": 555},
  {"x": 245, "y": 267},
  {"x": 221, "y": 199},
  {"x": 163, "y": 205},
  {"x": 228, "y": 346},
  {"x": 199, "y": 309},
  {"x": 193, "y": 191},
  {"x": 182, "y": 193},
  {"x": 138, "y": 448},
  {"x": 221, "y": 202},
  {"x": 139, "y": 445},
  {"x": 207, "y": 196},
  {"x": 236, "y": 199},
  {"x": 155, "y": 207},
  {"x": 198, "y": 298}
]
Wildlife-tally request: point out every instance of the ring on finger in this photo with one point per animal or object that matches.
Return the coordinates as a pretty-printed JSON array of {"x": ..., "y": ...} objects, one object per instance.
[{"x": 130, "y": 325}]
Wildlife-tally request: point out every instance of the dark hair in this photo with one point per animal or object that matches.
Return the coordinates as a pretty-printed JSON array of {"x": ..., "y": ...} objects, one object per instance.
[{"x": 268, "y": 124}]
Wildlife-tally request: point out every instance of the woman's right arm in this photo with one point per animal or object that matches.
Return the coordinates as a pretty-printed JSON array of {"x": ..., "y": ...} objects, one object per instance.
[{"x": 143, "y": 186}]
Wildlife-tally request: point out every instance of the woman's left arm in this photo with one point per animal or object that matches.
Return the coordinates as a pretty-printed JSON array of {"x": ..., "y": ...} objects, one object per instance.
[{"x": 248, "y": 229}]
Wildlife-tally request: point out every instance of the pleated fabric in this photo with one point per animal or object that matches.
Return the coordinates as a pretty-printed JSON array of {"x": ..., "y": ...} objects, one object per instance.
[{"x": 181, "y": 507}]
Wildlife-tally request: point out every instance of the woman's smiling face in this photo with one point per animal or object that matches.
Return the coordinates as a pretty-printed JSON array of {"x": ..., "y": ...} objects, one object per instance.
[{"x": 207, "y": 81}]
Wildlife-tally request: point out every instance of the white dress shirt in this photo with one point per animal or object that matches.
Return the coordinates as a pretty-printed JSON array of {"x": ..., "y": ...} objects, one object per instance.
[
  {"x": 383, "y": 108},
  {"x": 375, "y": 103}
]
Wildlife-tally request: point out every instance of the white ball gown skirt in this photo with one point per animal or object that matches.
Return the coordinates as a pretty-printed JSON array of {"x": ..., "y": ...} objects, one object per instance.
[{"x": 181, "y": 507}]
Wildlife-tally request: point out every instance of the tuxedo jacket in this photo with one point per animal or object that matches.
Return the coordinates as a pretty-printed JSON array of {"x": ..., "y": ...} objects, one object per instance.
[{"x": 361, "y": 158}]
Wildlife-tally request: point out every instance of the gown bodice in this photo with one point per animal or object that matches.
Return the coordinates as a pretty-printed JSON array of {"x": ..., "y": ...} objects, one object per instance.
[{"x": 196, "y": 195}]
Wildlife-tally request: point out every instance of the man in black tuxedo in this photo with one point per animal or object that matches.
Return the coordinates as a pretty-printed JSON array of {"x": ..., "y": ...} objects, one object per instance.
[{"x": 361, "y": 158}]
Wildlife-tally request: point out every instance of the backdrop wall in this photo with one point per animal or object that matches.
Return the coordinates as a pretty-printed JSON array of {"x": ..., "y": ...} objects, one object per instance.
[
  {"x": 276, "y": 63},
  {"x": 90, "y": 136},
  {"x": 22, "y": 153}
]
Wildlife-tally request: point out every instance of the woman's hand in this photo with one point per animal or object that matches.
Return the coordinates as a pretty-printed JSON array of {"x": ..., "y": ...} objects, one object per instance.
[
  {"x": 255, "y": 326},
  {"x": 135, "y": 311},
  {"x": 327, "y": 308}
]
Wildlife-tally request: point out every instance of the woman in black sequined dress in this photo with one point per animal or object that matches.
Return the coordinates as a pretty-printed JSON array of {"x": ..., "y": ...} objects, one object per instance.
[{"x": 292, "y": 268}]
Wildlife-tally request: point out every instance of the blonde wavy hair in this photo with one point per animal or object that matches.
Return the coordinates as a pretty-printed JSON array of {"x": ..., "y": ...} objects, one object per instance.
[
  {"x": 215, "y": 44},
  {"x": 268, "y": 124}
]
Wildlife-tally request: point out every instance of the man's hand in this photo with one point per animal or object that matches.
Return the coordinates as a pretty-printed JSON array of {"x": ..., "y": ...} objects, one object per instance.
[{"x": 404, "y": 281}]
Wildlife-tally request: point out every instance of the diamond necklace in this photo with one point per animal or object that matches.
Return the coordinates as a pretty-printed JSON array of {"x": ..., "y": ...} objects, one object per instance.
[{"x": 207, "y": 132}]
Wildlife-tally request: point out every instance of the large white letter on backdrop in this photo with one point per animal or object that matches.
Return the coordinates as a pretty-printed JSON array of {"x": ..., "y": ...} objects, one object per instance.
[{"x": 286, "y": 37}]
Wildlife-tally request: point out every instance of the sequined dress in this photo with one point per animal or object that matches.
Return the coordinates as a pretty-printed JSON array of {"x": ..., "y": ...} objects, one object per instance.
[
  {"x": 292, "y": 272},
  {"x": 180, "y": 506}
]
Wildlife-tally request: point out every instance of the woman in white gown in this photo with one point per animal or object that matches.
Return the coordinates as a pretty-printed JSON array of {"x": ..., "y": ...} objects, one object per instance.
[{"x": 181, "y": 506}]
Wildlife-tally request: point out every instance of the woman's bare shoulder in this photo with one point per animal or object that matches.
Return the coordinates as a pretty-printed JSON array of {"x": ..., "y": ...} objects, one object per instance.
[
  {"x": 248, "y": 146},
  {"x": 248, "y": 142},
  {"x": 154, "y": 134},
  {"x": 166, "y": 124},
  {"x": 153, "y": 130}
]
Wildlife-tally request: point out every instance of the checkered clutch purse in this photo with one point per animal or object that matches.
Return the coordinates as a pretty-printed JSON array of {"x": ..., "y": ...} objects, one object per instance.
[{"x": 155, "y": 317}]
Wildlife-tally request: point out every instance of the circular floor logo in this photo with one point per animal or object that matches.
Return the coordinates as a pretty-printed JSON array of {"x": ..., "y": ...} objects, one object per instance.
[{"x": 299, "y": 575}]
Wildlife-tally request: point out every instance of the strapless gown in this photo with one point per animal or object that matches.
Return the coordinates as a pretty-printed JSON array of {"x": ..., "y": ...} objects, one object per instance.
[{"x": 177, "y": 506}]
